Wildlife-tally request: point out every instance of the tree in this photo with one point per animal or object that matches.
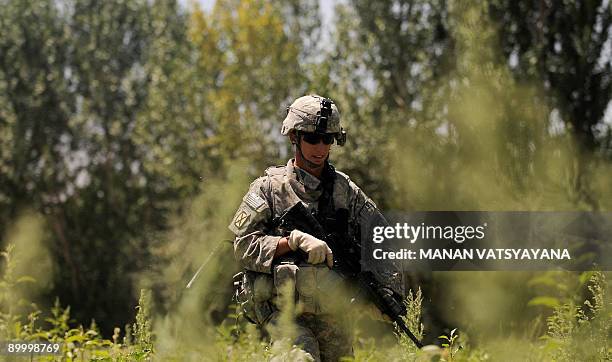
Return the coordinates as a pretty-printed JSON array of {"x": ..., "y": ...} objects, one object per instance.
[
  {"x": 36, "y": 102},
  {"x": 383, "y": 71},
  {"x": 74, "y": 86},
  {"x": 564, "y": 46},
  {"x": 252, "y": 68}
]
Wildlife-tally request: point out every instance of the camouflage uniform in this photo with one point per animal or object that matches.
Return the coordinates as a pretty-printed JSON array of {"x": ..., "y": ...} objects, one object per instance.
[{"x": 257, "y": 237}]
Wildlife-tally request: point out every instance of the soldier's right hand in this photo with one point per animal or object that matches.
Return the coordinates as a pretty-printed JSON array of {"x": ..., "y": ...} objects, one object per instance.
[{"x": 317, "y": 249}]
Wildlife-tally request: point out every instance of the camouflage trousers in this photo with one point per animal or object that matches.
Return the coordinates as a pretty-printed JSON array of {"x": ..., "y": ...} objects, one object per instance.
[
  {"x": 321, "y": 336},
  {"x": 323, "y": 302}
]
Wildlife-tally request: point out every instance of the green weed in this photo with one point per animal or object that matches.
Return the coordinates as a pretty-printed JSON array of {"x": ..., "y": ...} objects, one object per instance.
[{"x": 575, "y": 331}]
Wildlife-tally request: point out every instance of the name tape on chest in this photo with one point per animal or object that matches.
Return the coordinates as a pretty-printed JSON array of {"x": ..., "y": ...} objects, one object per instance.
[{"x": 254, "y": 201}]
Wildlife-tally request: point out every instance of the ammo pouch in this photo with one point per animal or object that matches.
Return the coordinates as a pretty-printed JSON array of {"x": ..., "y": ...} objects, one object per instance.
[
  {"x": 317, "y": 288},
  {"x": 253, "y": 294}
]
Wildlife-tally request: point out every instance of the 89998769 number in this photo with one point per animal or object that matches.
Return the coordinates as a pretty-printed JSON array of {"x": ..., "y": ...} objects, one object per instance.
[{"x": 27, "y": 348}]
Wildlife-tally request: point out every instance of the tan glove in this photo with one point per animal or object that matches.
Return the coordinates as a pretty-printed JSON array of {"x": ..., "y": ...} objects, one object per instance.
[{"x": 317, "y": 249}]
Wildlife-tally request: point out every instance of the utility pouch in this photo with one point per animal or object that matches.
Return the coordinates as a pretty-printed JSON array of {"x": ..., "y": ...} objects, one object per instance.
[
  {"x": 253, "y": 294},
  {"x": 316, "y": 287},
  {"x": 284, "y": 273}
]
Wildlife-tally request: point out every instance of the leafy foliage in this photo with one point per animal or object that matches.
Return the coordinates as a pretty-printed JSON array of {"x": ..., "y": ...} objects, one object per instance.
[{"x": 132, "y": 128}]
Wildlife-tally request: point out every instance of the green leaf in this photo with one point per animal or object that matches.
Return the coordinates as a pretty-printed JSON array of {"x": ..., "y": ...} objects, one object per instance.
[
  {"x": 585, "y": 277},
  {"x": 77, "y": 338},
  {"x": 26, "y": 279},
  {"x": 544, "y": 279},
  {"x": 550, "y": 302}
]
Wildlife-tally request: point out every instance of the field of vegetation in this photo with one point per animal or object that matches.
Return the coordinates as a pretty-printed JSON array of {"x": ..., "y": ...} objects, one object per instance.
[
  {"x": 131, "y": 129},
  {"x": 574, "y": 330}
]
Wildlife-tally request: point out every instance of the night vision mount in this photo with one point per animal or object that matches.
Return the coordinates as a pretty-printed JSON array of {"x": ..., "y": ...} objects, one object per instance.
[{"x": 323, "y": 117}]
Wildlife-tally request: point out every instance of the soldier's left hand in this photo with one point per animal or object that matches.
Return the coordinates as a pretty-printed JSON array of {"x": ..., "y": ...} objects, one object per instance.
[{"x": 317, "y": 249}]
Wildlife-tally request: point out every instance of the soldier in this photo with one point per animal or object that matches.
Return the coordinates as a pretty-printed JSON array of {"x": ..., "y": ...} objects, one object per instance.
[{"x": 271, "y": 257}]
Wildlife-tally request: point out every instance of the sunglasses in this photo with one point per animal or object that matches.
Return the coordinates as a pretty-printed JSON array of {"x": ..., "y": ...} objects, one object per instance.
[{"x": 315, "y": 138}]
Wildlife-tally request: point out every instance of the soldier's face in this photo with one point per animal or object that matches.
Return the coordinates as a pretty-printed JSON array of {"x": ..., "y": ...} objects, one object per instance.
[{"x": 315, "y": 153}]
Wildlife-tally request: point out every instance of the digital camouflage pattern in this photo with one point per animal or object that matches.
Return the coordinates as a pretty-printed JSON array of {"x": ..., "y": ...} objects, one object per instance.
[
  {"x": 302, "y": 116},
  {"x": 321, "y": 336},
  {"x": 318, "y": 289}
]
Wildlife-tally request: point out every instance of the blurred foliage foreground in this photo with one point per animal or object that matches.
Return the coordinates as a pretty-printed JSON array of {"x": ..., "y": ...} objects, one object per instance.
[
  {"x": 124, "y": 126},
  {"x": 574, "y": 332}
]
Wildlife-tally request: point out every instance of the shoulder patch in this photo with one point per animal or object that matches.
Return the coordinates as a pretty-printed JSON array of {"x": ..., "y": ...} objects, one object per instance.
[
  {"x": 242, "y": 217},
  {"x": 254, "y": 201}
]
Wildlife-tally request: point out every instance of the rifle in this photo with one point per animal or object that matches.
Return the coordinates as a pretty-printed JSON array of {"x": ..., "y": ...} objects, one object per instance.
[{"x": 347, "y": 261}]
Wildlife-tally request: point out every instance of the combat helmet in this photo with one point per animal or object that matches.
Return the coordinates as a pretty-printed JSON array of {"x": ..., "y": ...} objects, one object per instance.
[{"x": 313, "y": 113}]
